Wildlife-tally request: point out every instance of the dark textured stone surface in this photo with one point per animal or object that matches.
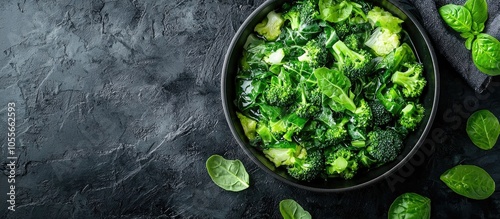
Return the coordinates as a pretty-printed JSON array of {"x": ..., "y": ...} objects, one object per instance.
[{"x": 118, "y": 107}]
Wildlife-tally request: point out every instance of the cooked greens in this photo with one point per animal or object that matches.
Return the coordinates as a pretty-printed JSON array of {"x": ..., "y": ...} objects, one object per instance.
[{"x": 332, "y": 90}]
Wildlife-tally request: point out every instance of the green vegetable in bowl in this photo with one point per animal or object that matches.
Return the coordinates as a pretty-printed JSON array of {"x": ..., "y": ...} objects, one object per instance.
[
  {"x": 469, "y": 181},
  {"x": 483, "y": 129},
  {"x": 409, "y": 206},
  {"x": 335, "y": 94},
  {"x": 290, "y": 209},
  {"x": 227, "y": 174}
]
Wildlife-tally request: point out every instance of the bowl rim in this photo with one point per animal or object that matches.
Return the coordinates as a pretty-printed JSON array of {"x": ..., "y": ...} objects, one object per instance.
[{"x": 392, "y": 170}]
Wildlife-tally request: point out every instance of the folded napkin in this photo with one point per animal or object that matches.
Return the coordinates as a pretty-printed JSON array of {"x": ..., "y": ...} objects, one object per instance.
[{"x": 449, "y": 43}]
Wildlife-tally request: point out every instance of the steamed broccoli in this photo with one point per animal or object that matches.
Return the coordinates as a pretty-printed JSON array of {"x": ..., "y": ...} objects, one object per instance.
[
  {"x": 411, "y": 80},
  {"x": 384, "y": 145},
  {"x": 381, "y": 18},
  {"x": 362, "y": 116},
  {"x": 336, "y": 130},
  {"x": 249, "y": 125},
  {"x": 280, "y": 91},
  {"x": 411, "y": 115},
  {"x": 380, "y": 115},
  {"x": 352, "y": 64},
  {"x": 304, "y": 26},
  {"x": 270, "y": 27},
  {"x": 382, "y": 41},
  {"x": 314, "y": 53},
  {"x": 287, "y": 126},
  {"x": 341, "y": 162},
  {"x": 284, "y": 153},
  {"x": 310, "y": 100},
  {"x": 308, "y": 167}
]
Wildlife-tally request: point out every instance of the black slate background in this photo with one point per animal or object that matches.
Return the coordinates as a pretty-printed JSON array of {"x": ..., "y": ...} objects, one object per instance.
[{"x": 118, "y": 107}]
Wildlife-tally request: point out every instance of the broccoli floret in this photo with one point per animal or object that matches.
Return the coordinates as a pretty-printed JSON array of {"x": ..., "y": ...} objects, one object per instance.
[
  {"x": 287, "y": 126},
  {"x": 314, "y": 54},
  {"x": 354, "y": 41},
  {"x": 362, "y": 116},
  {"x": 280, "y": 91},
  {"x": 270, "y": 27},
  {"x": 394, "y": 60},
  {"x": 384, "y": 145},
  {"x": 284, "y": 153},
  {"x": 308, "y": 167},
  {"x": 309, "y": 104},
  {"x": 342, "y": 29},
  {"x": 411, "y": 80},
  {"x": 411, "y": 115},
  {"x": 382, "y": 41},
  {"x": 352, "y": 64},
  {"x": 336, "y": 132},
  {"x": 391, "y": 98},
  {"x": 249, "y": 125},
  {"x": 303, "y": 23},
  {"x": 380, "y": 115},
  {"x": 381, "y": 18},
  {"x": 341, "y": 162}
]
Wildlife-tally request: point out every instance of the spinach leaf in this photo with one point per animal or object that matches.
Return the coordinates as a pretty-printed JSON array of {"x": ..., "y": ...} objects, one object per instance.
[
  {"x": 410, "y": 205},
  {"x": 469, "y": 181},
  {"x": 335, "y": 85},
  {"x": 334, "y": 12},
  {"x": 227, "y": 174},
  {"x": 483, "y": 129},
  {"x": 486, "y": 54},
  {"x": 457, "y": 17},
  {"x": 290, "y": 209},
  {"x": 479, "y": 13}
]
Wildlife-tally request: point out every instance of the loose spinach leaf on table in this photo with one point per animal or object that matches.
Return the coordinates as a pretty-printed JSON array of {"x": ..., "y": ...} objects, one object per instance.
[
  {"x": 410, "y": 205},
  {"x": 227, "y": 174},
  {"x": 290, "y": 209},
  {"x": 469, "y": 181},
  {"x": 457, "y": 17},
  {"x": 479, "y": 13},
  {"x": 486, "y": 54},
  {"x": 483, "y": 129}
]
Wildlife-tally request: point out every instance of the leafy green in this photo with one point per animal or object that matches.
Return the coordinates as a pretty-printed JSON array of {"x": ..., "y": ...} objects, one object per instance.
[
  {"x": 334, "y": 12},
  {"x": 409, "y": 206},
  {"x": 486, "y": 54},
  {"x": 312, "y": 98},
  {"x": 457, "y": 17},
  {"x": 335, "y": 85},
  {"x": 469, "y": 181},
  {"x": 483, "y": 129},
  {"x": 479, "y": 13},
  {"x": 290, "y": 209},
  {"x": 228, "y": 174}
]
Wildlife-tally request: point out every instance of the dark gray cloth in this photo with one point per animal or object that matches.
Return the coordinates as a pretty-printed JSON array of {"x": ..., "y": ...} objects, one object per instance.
[{"x": 451, "y": 45}]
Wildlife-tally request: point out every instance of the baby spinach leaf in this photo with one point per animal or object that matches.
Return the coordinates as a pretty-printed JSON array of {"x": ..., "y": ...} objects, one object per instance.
[
  {"x": 469, "y": 181},
  {"x": 290, "y": 209},
  {"x": 479, "y": 12},
  {"x": 227, "y": 174},
  {"x": 335, "y": 85},
  {"x": 483, "y": 129},
  {"x": 486, "y": 54},
  {"x": 334, "y": 12},
  {"x": 410, "y": 205},
  {"x": 457, "y": 17}
]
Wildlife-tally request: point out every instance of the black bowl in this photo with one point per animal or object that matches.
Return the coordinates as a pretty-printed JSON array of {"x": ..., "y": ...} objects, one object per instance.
[{"x": 425, "y": 54}]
